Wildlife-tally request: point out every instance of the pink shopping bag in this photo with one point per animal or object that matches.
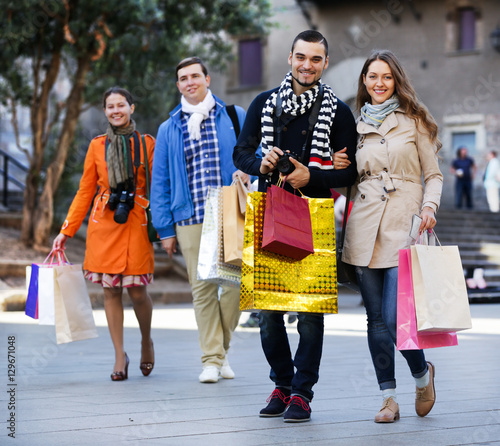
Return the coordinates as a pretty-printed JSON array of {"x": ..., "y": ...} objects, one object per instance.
[{"x": 408, "y": 338}]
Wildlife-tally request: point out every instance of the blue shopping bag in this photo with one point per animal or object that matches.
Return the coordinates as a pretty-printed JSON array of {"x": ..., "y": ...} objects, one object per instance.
[{"x": 31, "y": 308}]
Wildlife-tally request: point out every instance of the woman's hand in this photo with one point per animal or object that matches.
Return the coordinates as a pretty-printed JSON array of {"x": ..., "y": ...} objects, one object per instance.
[
  {"x": 428, "y": 219},
  {"x": 268, "y": 163},
  {"x": 340, "y": 159},
  {"x": 59, "y": 243}
]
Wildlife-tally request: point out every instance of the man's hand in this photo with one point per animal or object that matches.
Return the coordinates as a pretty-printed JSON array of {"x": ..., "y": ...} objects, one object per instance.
[
  {"x": 244, "y": 177},
  {"x": 268, "y": 163},
  {"x": 300, "y": 176},
  {"x": 169, "y": 245}
]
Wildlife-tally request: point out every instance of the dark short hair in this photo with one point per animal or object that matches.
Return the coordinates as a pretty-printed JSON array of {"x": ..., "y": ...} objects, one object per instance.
[
  {"x": 311, "y": 36},
  {"x": 117, "y": 90},
  {"x": 191, "y": 61}
]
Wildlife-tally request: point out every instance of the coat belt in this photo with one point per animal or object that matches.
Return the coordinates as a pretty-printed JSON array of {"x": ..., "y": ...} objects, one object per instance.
[{"x": 387, "y": 178}]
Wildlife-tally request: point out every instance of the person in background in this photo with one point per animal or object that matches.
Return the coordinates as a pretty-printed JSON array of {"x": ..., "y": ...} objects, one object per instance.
[
  {"x": 193, "y": 152},
  {"x": 464, "y": 169},
  {"x": 397, "y": 147},
  {"x": 118, "y": 251},
  {"x": 333, "y": 130},
  {"x": 492, "y": 181}
]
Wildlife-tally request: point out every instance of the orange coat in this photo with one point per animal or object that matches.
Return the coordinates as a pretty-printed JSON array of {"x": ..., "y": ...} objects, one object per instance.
[{"x": 111, "y": 248}]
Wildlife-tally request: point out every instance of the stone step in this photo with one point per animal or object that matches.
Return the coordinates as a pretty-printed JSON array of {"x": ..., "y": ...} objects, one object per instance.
[
  {"x": 476, "y": 255},
  {"x": 15, "y": 200},
  {"x": 457, "y": 237},
  {"x": 166, "y": 290},
  {"x": 163, "y": 268},
  {"x": 488, "y": 295},
  {"x": 11, "y": 219}
]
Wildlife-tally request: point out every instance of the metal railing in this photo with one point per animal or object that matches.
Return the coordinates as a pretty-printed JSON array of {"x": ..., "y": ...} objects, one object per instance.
[{"x": 7, "y": 178}]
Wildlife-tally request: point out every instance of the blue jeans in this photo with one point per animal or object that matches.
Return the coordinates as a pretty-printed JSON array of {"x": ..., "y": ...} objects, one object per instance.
[
  {"x": 307, "y": 357},
  {"x": 379, "y": 289},
  {"x": 463, "y": 189}
]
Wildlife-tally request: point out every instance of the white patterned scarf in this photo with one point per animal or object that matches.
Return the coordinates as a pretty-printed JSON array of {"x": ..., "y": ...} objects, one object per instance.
[
  {"x": 199, "y": 113},
  {"x": 376, "y": 114},
  {"x": 321, "y": 155}
]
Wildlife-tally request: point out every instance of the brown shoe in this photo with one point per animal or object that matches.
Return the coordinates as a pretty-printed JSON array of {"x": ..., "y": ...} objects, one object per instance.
[
  {"x": 389, "y": 412},
  {"x": 425, "y": 397}
]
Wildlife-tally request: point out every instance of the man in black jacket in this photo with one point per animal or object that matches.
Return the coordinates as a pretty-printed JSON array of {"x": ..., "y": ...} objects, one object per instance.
[{"x": 279, "y": 120}]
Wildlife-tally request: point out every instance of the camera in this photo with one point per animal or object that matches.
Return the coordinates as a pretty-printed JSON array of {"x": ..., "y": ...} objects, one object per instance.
[
  {"x": 123, "y": 208},
  {"x": 114, "y": 199},
  {"x": 284, "y": 165},
  {"x": 121, "y": 201}
]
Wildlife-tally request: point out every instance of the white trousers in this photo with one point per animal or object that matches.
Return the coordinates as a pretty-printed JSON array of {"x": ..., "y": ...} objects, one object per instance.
[{"x": 493, "y": 199}]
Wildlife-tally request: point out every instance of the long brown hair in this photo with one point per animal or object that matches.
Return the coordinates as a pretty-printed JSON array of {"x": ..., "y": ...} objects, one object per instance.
[{"x": 408, "y": 100}]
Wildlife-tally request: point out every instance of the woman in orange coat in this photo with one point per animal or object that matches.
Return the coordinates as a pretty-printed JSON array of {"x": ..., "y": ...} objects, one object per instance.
[{"x": 118, "y": 251}]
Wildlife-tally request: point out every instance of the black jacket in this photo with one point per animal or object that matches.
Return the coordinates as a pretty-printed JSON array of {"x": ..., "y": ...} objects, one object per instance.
[{"x": 342, "y": 134}]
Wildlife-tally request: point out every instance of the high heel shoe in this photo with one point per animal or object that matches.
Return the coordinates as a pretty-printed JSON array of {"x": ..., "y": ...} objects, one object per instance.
[
  {"x": 121, "y": 376},
  {"x": 147, "y": 367}
]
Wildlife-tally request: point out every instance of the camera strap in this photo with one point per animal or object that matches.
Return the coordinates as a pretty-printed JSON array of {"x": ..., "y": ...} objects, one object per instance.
[{"x": 283, "y": 121}]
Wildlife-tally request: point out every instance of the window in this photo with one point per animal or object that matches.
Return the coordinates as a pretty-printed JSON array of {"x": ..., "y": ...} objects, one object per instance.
[
  {"x": 250, "y": 62},
  {"x": 466, "y": 139},
  {"x": 464, "y": 28},
  {"x": 467, "y": 29}
]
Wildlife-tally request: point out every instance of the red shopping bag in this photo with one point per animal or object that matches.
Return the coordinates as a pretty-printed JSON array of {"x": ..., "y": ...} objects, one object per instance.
[
  {"x": 287, "y": 224},
  {"x": 408, "y": 338}
]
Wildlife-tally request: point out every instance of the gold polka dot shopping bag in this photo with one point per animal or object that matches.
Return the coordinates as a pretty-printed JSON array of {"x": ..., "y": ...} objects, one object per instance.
[{"x": 271, "y": 281}]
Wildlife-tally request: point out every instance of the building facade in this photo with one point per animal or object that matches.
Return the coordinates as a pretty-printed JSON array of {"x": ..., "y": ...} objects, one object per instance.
[{"x": 450, "y": 48}]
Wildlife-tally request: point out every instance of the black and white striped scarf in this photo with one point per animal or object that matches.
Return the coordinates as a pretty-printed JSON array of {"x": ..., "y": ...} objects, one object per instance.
[{"x": 321, "y": 155}]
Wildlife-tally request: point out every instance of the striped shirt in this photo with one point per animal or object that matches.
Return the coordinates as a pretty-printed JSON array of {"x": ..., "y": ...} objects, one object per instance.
[{"x": 203, "y": 165}]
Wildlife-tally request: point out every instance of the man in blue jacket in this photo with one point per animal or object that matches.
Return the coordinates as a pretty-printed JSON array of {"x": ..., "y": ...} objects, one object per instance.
[{"x": 193, "y": 152}]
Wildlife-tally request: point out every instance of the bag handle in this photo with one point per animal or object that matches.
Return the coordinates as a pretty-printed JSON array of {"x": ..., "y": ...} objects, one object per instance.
[
  {"x": 281, "y": 183},
  {"x": 238, "y": 180},
  {"x": 428, "y": 239},
  {"x": 61, "y": 257}
]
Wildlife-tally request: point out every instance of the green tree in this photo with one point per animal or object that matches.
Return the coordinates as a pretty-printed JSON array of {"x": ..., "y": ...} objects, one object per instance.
[{"x": 96, "y": 44}]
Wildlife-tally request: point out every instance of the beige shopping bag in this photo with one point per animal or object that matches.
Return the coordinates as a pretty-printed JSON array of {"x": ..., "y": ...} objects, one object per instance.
[
  {"x": 233, "y": 224},
  {"x": 441, "y": 301},
  {"x": 73, "y": 312},
  {"x": 211, "y": 266},
  {"x": 242, "y": 194}
]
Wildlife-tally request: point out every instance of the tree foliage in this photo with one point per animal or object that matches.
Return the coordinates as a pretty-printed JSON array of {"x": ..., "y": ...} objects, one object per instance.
[{"x": 94, "y": 45}]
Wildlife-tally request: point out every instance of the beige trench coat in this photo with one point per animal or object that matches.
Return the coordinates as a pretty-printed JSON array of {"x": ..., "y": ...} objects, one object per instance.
[{"x": 392, "y": 161}]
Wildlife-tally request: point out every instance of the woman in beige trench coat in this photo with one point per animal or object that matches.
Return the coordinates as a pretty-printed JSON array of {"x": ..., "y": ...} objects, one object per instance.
[{"x": 396, "y": 150}]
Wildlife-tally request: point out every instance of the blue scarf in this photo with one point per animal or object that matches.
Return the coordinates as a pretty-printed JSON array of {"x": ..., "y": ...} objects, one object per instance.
[{"x": 375, "y": 114}]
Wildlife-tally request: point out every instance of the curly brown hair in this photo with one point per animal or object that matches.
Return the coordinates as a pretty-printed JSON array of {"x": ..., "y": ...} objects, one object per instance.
[{"x": 405, "y": 92}]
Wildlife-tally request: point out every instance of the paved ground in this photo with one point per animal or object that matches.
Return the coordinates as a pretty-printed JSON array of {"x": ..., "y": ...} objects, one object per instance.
[{"x": 63, "y": 394}]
